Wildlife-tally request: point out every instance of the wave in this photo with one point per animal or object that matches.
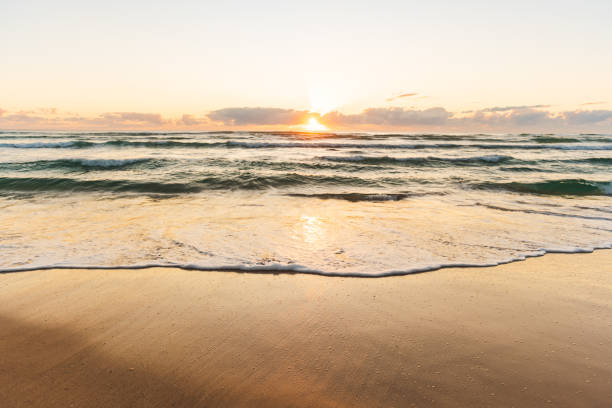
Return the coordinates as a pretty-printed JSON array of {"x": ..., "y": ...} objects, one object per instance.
[
  {"x": 539, "y": 146},
  {"x": 568, "y": 187},
  {"x": 523, "y": 169},
  {"x": 105, "y": 163},
  {"x": 587, "y": 147},
  {"x": 240, "y": 181},
  {"x": 79, "y": 164},
  {"x": 423, "y": 136},
  {"x": 551, "y": 213},
  {"x": 25, "y": 134},
  {"x": 355, "y": 163},
  {"x": 593, "y": 160},
  {"x": 292, "y": 269},
  {"x": 471, "y": 138},
  {"x": 355, "y": 197},
  {"x": 307, "y": 145},
  {"x": 421, "y": 161},
  {"x": 330, "y": 145},
  {"x": 47, "y": 184},
  {"x": 555, "y": 139},
  {"x": 255, "y": 181},
  {"x": 285, "y": 165},
  {"x": 95, "y": 163},
  {"x": 49, "y": 145},
  {"x": 83, "y": 144}
]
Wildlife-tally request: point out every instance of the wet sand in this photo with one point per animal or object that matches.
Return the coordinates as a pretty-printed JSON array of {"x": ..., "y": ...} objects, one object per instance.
[{"x": 528, "y": 334}]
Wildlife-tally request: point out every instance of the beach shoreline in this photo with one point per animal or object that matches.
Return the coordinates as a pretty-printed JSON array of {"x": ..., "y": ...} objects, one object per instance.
[{"x": 527, "y": 333}]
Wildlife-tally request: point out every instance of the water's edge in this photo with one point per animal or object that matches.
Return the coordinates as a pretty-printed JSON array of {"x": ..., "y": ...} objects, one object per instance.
[{"x": 300, "y": 270}]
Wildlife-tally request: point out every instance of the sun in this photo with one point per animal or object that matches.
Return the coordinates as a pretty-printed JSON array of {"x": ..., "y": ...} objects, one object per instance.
[{"x": 314, "y": 125}]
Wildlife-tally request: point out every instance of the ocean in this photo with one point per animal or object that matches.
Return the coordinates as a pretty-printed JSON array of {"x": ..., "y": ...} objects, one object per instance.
[{"x": 337, "y": 204}]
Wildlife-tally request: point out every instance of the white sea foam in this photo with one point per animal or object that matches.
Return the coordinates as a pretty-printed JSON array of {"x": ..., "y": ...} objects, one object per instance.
[
  {"x": 606, "y": 187},
  {"x": 276, "y": 268}
]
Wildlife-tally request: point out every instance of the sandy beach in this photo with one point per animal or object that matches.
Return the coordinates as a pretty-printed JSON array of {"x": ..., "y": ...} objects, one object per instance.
[{"x": 527, "y": 334}]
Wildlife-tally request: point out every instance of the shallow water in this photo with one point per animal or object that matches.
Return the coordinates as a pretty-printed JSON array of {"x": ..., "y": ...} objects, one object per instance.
[{"x": 332, "y": 203}]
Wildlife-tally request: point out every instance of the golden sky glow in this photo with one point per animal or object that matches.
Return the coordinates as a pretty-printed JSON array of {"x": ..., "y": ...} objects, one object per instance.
[{"x": 99, "y": 67}]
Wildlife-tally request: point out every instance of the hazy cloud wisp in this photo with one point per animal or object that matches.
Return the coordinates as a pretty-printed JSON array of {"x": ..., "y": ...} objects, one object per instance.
[
  {"x": 258, "y": 116},
  {"x": 404, "y": 95}
]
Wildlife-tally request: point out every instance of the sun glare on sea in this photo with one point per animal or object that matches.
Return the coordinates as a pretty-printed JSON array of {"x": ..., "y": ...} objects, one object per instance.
[{"x": 314, "y": 125}]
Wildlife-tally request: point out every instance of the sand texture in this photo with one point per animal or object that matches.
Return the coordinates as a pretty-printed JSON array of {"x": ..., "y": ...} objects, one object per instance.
[{"x": 528, "y": 334}]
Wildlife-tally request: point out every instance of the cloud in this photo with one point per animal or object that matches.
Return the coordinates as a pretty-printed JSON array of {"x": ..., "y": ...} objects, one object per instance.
[
  {"x": 258, "y": 116},
  {"x": 22, "y": 118},
  {"x": 404, "y": 95},
  {"x": 116, "y": 120},
  {"x": 516, "y": 118},
  {"x": 508, "y": 119},
  {"x": 592, "y": 103},
  {"x": 537, "y": 119},
  {"x": 131, "y": 118},
  {"x": 499, "y": 118},
  {"x": 390, "y": 117},
  {"x": 587, "y": 117},
  {"x": 50, "y": 118},
  {"x": 41, "y": 111},
  {"x": 511, "y": 119},
  {"x": 529, "y": 117},
  {"x": 509, "y": 108},
  {"x": 190, "y": 120}
]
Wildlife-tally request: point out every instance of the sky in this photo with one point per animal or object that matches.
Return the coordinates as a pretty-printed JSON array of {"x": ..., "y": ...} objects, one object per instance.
[{"x": 439, "y": 65}]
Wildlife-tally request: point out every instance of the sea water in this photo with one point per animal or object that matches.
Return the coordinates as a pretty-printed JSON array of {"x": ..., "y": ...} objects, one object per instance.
[{"x": 327, "y": 203}]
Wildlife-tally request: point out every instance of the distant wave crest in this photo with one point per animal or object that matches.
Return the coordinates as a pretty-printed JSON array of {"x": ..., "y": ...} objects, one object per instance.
[
  {"x": 82, "y": 144},
  {"x": 422, "y": 161}
]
